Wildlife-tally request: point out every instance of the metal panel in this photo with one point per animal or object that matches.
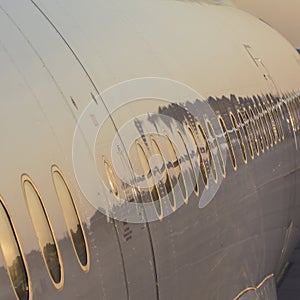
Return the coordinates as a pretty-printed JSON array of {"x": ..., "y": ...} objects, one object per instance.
[{"x": 44, "y": 91}]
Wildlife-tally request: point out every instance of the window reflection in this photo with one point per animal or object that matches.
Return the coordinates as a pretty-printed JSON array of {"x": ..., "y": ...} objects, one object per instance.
[
  {"x": 229, "y": 145},
  {"x": 149, "y": 179},
  {"x": 277, "y": 116},
  {"x": 43, "y": 231},
  {"x": 199, "y": 150},
  {"x": 216, "y": 146},
  {"x": 12, "y": 256},
  {"x": 176, "y": 166},
  {"x": 266, "y": 127},
  {"x": 262, "y": 126},
  {"x": 191, "y": 168},
  {"x": 257, "y": 129},
  {"x": 111, "y": 177},
  {"x": 71, "y": 218},
  {"x": 271, "y": 123},
  {"x": 165, "y": 183},
  {"x": 245, "y": 125},
  {"x": 208, "y": 158},
  {"x": 252, "y": 132},
  {"x": 239, "y": 136}
]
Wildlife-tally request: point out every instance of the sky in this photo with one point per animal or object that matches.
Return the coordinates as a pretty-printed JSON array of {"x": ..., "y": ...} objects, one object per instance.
[{"x": 283, "y": 15}]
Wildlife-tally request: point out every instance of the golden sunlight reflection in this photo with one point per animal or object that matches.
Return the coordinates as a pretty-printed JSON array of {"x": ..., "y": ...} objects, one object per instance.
[
  {"x": 43, "y": 231},
  {"x": 71, "y": 216},
  {"x": 12, "y": 256}
]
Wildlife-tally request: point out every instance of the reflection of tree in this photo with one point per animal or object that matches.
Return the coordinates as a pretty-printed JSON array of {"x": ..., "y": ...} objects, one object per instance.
[
  {"x": 19, "y": 278},
  {"x": 51, "y": 256},
  {"x": 42, "y": 287},
  {"x": 78, "y": 240},
  {"x": 174, "y": 116}
]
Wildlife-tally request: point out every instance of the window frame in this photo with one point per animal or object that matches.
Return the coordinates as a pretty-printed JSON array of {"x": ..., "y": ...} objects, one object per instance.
[
  {"x": 26, "y": 178},
  {"x": 86, "y": 267},
  {"x": 20, "y": 251}
]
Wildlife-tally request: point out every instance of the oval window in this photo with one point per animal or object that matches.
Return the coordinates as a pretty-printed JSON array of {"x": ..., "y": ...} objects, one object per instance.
[
  {"x": 150, "y": 181},
  {"x": 187, "y": 157},
  {"x": 111, "y": 177},
  {"x": 43, "y": 232},
  {"x": 277, "y": 111},
  {"x": 271, "y": 105},
  {"x": 216, "y": 146},
  {"x": 202, "y": 163},
  {"x": 266, "y": 125},
  {"x": 257, "y": 129},
  {"x": 165, "y": 182},
  {"x": 271, "y": 123},
  {"x": 72, "y": 219},
  {"x": 245, "y": 125},
  {"x": 297, "y": 112},
  {"x": 208, "y": 158},
  {"x": 262, "y": 126},
  {"x": 239, "y": 136},
  {"x": 13, "y": 256},
  {"x": 294, "y": 110},
  {"x": 289, "y": 116},
  {"x": 229, "y": 144},
  {"x": 253, "y": 134},
  {"x": 175, "y": 163}
]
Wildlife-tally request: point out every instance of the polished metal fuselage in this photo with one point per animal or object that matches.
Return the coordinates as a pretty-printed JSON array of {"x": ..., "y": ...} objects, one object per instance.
[{"x": 57, "y": 58}]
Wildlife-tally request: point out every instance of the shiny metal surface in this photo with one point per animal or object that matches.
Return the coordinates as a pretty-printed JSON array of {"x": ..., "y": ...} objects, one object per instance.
[{"x": 225, "y": 225}]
